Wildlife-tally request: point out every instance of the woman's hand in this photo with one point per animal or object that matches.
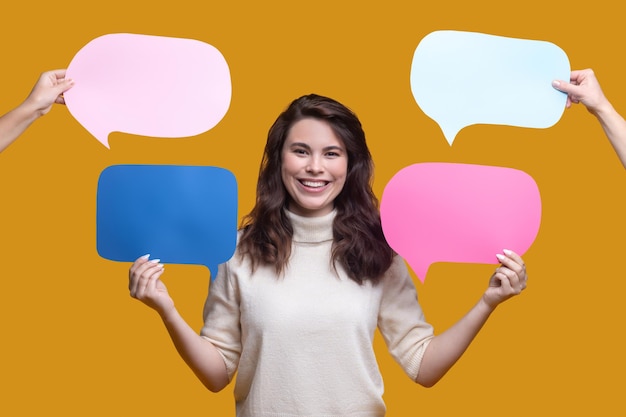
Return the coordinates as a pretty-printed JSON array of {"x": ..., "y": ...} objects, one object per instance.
[
  {"x": 508, "y": 280},
  {"x": 146, "y": 286},
  {"x": 583, "y": 87},
  {"x": 47, "y": 91}
]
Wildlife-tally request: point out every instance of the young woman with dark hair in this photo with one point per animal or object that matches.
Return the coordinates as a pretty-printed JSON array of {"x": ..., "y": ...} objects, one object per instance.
[
  {"x": 294, "y": 311},
  {"x": 359, "y": 243}
]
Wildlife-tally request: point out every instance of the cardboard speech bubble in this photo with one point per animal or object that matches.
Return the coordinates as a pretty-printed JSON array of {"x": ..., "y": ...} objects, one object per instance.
[
  {"x": 448, "y": 212},
  {"x": 148, "y": 85},
  {"x": 180, "y": 214},
  {"x": 460, "y": 79}
]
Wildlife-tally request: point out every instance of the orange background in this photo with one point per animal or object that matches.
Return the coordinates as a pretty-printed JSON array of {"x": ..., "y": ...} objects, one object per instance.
[{"x": 75, "y": 344}]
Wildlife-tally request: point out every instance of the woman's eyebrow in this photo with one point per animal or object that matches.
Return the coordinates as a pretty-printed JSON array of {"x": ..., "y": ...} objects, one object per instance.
[
  {"x": 333, "y": 148},
  {"x": 307, "y": 147},
  {"x": 299, "y": 144}
]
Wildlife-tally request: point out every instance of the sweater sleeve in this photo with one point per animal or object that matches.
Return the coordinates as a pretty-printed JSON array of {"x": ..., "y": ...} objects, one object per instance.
[
  {"x": 401, "y": 320},
  {"x": 221, "y": 318}
]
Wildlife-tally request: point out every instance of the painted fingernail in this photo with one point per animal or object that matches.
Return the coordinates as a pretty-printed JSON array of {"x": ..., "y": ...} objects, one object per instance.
[
  {"x": 155, "y": 261},
  {"x": 500, "y": 256},
  {"x": 507, "y": 251},
  {"x": 146, "y": 256}
]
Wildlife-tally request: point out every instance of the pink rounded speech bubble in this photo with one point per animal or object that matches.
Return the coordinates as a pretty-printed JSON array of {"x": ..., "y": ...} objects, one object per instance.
[
  {"x": 148, "y": 85},
  {"x": 445, "y": 212}
]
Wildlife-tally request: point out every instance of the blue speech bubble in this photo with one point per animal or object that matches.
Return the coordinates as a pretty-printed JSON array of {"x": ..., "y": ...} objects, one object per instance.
[
  {"x": 179, "y": 214},
  {"x": 464, "y": 78}
]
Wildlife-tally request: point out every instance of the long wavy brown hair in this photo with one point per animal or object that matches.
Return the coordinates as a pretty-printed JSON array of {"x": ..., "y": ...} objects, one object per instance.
[{"x": 358, "y": 240}]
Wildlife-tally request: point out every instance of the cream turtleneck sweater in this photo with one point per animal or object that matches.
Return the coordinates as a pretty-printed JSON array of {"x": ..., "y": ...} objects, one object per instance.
[{"x": 301, "y": 344}]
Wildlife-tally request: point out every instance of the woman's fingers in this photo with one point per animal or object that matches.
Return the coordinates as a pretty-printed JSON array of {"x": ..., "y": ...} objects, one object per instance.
[
  {"x": 147, "y": 284},
  {"x": 513, "y": 269},
  {"x": 140, "y": 273}
]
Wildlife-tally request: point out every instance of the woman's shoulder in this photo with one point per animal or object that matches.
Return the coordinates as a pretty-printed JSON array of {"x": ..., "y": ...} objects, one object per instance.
[
  {"x": 398, "y": 265},
  {"x": 397, "y": 271}
]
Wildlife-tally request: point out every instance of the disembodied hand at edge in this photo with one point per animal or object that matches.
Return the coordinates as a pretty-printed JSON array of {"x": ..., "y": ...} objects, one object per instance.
[
  {"x": 508, "y": 280},
  {"x": 584, "y": 88},
  {"x": 48, "y": 90},
  {"x": 146, "y": 286}
]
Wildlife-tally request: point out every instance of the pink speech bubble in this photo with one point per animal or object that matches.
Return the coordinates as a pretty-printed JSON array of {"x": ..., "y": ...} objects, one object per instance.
[
  {"x": 445, "y": 212},
  {"x": 148, "y": 85}
]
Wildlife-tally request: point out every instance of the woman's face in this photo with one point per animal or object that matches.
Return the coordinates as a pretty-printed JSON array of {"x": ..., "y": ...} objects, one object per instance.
[{"x": 314, "y": 167}]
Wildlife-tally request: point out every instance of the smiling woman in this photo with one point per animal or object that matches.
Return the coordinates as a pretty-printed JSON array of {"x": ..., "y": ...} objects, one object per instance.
[
  {"x": 359, "y": 240},
  {"x": 295, "y": 310},
  {"x": 314, "y": 169}
]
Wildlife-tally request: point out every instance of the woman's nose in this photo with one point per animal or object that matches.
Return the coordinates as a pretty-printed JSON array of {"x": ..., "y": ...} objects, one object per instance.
[{"x": 315, "y": 165}]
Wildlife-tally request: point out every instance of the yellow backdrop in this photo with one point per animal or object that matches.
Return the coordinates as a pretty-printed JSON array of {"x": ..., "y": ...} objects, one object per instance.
[{"x": 75, "y": 344}]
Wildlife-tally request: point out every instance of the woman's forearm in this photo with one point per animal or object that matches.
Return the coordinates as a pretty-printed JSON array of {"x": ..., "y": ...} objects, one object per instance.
[{"x": 197, "y": 352}]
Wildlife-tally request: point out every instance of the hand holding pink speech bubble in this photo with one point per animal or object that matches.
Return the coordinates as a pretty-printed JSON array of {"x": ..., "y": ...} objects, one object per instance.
[
  {"x": 148, "y": 85},
  {"x": 446, "y": 212}
]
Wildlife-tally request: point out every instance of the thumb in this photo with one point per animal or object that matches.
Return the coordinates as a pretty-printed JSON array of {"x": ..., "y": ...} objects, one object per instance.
[
  {"x": 564, "y": 86},
  {"x": 62, "y": 87}
]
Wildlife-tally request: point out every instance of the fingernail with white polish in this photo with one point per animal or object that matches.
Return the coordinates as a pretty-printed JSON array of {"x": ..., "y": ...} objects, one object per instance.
[
  {"x": 146, "y": 256},
  {"x": 155, "y": 261},
  {"x": 499, "y": 256},
  {"x": 506, "y": 251}
]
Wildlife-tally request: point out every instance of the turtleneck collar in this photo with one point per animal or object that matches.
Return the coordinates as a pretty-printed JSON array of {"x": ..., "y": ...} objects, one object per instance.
[{"x": 312, "y": 229}]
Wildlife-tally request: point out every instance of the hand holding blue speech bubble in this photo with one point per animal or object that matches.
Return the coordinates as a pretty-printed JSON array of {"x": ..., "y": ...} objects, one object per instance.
[
  {"x": 464, "y": 78},
  {"x": 180, "y": 214}
]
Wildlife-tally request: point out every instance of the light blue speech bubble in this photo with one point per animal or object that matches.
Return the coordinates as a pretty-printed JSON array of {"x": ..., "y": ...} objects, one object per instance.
[
  {"x": 464, "y": 78},
  {"x": 179, "y": 214}
]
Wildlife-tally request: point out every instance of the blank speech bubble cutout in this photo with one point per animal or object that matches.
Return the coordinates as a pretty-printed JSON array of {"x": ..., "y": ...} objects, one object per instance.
[
  {"x": 148, "y": 85},
  {"x": 463, "y": 78},
  {"x": 179, "y": 214},
  {"x": 447, "y": 212}
]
